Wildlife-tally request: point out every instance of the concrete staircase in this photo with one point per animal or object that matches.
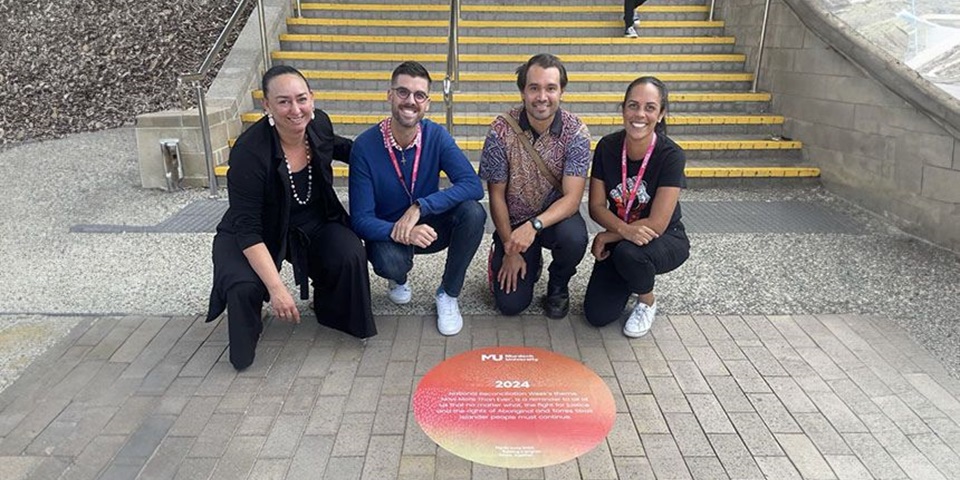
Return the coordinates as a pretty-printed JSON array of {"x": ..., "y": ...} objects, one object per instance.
[{"x": 348, "y": 49}]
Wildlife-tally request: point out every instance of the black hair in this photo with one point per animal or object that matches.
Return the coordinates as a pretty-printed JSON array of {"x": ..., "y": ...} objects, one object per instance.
[
  {"x": 412, "y": 69},
  {"x": 275, "y": 72},
  {"x": 544, "y": 61},
  {"x": 661, "y": 126}
]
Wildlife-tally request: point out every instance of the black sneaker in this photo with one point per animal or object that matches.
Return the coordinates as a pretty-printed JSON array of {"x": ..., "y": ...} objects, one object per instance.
[{"x": 556, "y": 303}]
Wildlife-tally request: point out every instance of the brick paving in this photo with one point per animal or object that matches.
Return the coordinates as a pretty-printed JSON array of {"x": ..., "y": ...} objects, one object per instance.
[{"x": 824, "y": 397}]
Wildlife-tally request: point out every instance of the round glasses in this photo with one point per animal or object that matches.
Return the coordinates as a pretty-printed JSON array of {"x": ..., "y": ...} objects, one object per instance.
[{"x": 404, "y": 93}]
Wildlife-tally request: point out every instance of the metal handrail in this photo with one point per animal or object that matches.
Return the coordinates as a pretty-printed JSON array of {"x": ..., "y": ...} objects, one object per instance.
[
  {"x": 197, "y": 80},
  {"x": 713, "y": 4},
  {"x": 299, "y": 11},
  {"x": 763, "y": 34},
  {"x": 452, "y": 79}
]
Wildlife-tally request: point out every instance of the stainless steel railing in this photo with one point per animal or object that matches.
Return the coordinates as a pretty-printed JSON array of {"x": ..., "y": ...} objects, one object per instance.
[
  {"x": 451, "y": 81},
  {"x": 763, "y": 34},
  {"x": 196, "y": 79}
]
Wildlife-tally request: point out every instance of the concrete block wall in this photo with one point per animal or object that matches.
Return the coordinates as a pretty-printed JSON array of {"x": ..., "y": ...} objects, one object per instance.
[
  {"x": 227, "y": 98},
  {"x": 888, "y": 141}
]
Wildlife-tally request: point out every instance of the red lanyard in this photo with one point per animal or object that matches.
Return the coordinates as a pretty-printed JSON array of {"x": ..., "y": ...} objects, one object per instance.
[
  {"x": 386, "y": 129},
  {"x": 643, "y": 168}
]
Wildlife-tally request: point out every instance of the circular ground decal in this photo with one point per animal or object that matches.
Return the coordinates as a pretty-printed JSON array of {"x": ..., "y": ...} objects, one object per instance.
[{"x": 514, "y": 407}]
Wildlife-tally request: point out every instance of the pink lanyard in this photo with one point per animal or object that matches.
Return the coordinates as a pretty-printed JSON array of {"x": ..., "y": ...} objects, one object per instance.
[
  {"x": 643, "y": 168},
  {"x": 387, "y": 131}
]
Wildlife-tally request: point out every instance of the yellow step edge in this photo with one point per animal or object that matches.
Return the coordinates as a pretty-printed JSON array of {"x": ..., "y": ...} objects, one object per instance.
[
  {"x": 752, "y": 172},
  {"x": 380, "y": 7},
  {"x": 624, "y": 78},
  {"x": 471, "y": 145},
  {"x": 464, "y": 98},
  {"x": 394, "y": 39},
  {"x": 590, "y": 120},
  {"x": 482, "y": 58},
  {"x": 691, "y": 172},
  {"x": 561, "y": 24}
]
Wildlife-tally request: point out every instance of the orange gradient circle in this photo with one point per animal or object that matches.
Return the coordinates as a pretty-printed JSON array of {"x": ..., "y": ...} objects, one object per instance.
[{"x": 514, "y": 407}]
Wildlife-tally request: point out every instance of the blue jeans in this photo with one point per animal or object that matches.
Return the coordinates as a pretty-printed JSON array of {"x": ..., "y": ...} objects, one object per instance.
[{"x": 459, "y": 230}]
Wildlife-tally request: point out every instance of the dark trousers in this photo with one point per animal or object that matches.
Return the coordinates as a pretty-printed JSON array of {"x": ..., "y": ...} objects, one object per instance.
[
  {"x": 631, "y": 268},
  {"x": 567, "y": 242},
  {"x": 459, "y": 230},
  {"x": 337, "y": 265},
  {"x": 630, "y": 6}
]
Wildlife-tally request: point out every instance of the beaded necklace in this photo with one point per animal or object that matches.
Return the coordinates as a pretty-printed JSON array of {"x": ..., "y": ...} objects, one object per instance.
[{"x": 293, "y": 186}]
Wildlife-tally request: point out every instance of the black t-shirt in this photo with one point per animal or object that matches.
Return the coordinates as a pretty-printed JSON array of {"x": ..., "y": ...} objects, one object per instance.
[{"x": 665, "y": 169}]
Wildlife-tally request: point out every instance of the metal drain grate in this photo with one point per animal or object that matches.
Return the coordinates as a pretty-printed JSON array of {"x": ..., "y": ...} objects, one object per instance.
[{"x": 202, "y": 216}]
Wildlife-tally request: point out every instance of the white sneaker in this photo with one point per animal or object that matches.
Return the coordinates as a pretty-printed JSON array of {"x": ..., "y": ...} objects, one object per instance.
[
  {"x": 449, "y": 321},
  {"x": 630, "y": 32},
  {"x": 399, "y": 294},
  {"x": 640, "y": 321}
]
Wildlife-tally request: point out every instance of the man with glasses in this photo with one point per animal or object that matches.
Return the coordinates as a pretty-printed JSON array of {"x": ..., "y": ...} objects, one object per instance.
[{"x": 397, "y": 205}]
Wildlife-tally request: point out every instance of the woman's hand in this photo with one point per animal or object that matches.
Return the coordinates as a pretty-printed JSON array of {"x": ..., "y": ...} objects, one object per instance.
[
  {"x": 638, "y": 233},
  {"x": 599, "y": 247},
  {"x": 514, "y": 267},
  {"x": 283, "y": 305}
]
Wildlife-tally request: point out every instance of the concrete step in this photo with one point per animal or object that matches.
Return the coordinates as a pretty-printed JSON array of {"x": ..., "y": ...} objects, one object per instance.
[
  {"x": 582, "y": 103},
  {"x": 720, "y": 170},
  {"x": 505, "y": 28},
  {"x": 497, "y": 62},
  {"x": 477, "y": 124},
  {"x": 541, "y": 13},
  {"x": 505, "y": 80},
  {"x": 509, "y": 45}
]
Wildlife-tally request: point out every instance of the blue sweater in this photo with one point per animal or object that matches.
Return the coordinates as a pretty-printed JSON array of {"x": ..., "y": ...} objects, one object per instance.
[{"x": 378, "y": 200}]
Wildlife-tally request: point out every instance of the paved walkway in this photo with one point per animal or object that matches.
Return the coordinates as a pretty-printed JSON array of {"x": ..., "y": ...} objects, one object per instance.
[{"x": 700, "y": 397}]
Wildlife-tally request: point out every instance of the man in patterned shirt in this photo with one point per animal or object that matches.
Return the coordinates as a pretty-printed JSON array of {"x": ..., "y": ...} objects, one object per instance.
[{"x": 534, "y": 201}]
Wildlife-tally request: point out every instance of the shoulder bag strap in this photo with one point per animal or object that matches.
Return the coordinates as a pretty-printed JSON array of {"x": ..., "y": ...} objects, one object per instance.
[{"x": 533, "y": 153}]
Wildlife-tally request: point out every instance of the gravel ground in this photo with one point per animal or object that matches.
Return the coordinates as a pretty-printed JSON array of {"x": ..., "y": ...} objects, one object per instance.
[
  {"x": 112, "y": 60},
  {"x": 48, "y": 270}
]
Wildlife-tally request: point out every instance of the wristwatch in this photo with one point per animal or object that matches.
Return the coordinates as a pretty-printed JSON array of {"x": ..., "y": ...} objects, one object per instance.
[{"x": 537, "y": 224}]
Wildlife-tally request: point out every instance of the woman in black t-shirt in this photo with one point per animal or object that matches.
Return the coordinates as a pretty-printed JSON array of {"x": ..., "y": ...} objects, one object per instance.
[{"x": 634, "y": 194}]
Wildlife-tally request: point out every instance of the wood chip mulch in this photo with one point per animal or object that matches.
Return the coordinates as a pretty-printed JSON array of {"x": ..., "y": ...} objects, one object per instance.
[{"x": 72, "y": 66}]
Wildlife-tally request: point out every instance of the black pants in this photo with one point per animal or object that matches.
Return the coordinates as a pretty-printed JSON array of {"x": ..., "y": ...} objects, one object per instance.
[
  {"x": 630, "y": 6},
  {"x": 631, "y": 268},
  {"x": 337, "y": 265},
  {"x": 567, "y": 241}
]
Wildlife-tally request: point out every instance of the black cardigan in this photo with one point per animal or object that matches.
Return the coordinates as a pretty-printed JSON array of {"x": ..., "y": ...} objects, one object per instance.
[{"x": 260, "y": 197}]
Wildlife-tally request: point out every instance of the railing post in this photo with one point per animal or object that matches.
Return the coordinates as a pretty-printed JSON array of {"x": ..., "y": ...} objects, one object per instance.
[
  {"x": 763, "y": 34},
  {"x": 205, "y": 131},
  {"x": 448, "y": 103},
  {"x": 299, "y": 10},
  {"x": 713, "y": 4},
  {"x": 263, "y": 36},
  {"x": 452, "y": 78}
]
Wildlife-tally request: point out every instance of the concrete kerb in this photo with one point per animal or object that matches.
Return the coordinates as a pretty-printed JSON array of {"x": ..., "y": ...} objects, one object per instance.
[{"x": 227, "y": 97}]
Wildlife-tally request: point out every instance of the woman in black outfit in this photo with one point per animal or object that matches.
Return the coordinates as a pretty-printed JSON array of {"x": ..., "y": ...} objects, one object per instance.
[
  {"x": 283, "y": 207},
  {"x": 634, "y": 194}
]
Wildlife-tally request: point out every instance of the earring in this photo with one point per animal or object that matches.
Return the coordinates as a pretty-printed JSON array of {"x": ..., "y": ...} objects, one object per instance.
[
  {"x": 313, "y": 114},
  {"x": 270, "y": 119}
]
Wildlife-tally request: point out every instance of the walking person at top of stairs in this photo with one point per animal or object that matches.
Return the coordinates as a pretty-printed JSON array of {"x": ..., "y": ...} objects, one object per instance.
[
  {"x": 535, "y": 161},
  {"x": 396, "y": 202},
  {"x": 631, "y": 19}
]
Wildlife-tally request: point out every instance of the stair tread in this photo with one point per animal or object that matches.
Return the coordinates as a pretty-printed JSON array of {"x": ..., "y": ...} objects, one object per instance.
[{"x": 472, "y": 40}]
